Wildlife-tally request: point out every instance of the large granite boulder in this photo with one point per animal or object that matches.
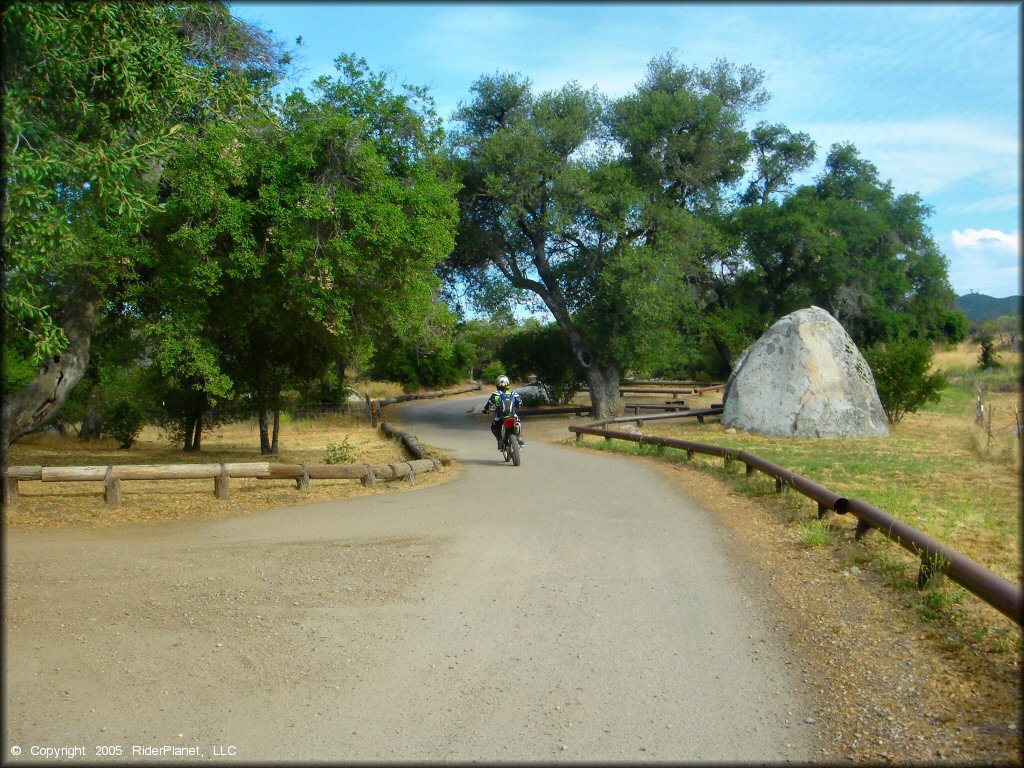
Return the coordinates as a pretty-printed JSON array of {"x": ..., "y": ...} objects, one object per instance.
[{"x": 804, "y": 378}]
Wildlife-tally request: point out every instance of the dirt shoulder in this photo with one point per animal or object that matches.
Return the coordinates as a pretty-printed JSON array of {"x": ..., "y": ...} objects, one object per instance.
[{"x": 896, "y": 689}]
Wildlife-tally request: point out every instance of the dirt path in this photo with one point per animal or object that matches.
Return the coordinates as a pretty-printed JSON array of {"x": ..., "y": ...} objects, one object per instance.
[{"x": 564, "y": 609}]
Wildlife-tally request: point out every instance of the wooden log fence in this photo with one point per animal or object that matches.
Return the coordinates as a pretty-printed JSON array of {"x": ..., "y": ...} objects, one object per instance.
[
  {"x": 665, "y": 388},
  {"x": 374, "y": 407},
  {"x": 661, "y": 383},
  {"x": 410, "y": 442},
  {"x": 112, "y": 476}
]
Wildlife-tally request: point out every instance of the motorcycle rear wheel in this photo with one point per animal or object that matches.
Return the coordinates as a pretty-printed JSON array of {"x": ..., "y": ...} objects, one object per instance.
[{"x": 513, "y": 442}]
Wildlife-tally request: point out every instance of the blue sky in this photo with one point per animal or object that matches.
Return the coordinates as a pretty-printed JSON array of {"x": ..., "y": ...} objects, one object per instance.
[{"x": 928, "y": 92}]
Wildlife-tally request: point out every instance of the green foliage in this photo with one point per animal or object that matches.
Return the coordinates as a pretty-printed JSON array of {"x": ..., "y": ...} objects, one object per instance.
[
  {"x": 340, "y": 453},
  {"x": 941, "y": 602},
  {"x": 88, "y": 88},
  {"x": 903, "y": 376},
  {"x": 985, "y": 336},
  {"x": 123, "y": 420},
  {"x": 432, "y": 356},
  {"x": 483, "y": 340},
  {"x": 327, "y": 221},
  {"x": 544, "y": 351},
  {"x": 98, "y": 98},
  {"x": 849, "y": 244},
  {"x": 570, "y": 197},
  {"x": 816, "y": 533},
  {"x": 988, "y": 359},
  {"x": 492, "y": 371},
  {"x": 18, "y": 368}
]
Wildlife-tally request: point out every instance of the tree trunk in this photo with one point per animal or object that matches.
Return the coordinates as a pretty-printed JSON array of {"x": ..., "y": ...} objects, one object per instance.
[
  {"x": 602, "y": 376},
  {"x": 264, "y": 433},
  {"x": 37, "y": 402},
  {"x": 277, "y": 429},
  {"x": 190, "y": 425},
  {"x": 197, "y": 435},
  {"x": 194, "y": 425},
  {"x": 724, "y": 353},
  {"x": 92, "y": 424},
  {"x": 604, "y": 391},
  {"x": 339, "y": 370}
]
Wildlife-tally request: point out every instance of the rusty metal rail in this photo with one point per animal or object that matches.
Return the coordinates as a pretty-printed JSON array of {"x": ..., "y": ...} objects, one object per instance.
[{"x": 936, "y": 558}]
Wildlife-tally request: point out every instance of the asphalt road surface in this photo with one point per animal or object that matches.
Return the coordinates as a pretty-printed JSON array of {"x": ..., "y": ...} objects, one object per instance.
[{"x": 575, "y": 608}]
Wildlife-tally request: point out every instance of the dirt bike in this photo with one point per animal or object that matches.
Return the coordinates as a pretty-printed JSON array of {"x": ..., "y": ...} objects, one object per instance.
[{"x": 511, "y": 429}]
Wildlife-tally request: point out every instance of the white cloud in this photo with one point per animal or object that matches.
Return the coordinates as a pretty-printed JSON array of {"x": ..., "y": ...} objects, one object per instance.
[
  {"x": 984, "y": 260},
  {"x": 987, "y": 240}
]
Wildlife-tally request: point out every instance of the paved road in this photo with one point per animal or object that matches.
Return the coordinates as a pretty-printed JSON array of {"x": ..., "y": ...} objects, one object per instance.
[{"x": 577, "y": 607}]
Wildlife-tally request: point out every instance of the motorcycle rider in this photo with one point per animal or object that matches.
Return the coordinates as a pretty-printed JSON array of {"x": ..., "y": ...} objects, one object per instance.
[{"x": 494, "y": 404}]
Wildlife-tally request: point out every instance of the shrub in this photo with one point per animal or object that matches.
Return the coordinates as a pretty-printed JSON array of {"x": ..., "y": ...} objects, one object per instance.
[
  {"x": 340, "y": 453},
  {"x": 902, "y": 376},
  {"x": 491, "y": 372},
  {"x": 123, "y": 420},
  {"x": 815, "y": 533},
  {"x": 988, "y": 359}
]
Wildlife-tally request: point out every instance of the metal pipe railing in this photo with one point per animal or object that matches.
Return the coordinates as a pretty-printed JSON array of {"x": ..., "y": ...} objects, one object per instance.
[{"x": 936, "y": 558}]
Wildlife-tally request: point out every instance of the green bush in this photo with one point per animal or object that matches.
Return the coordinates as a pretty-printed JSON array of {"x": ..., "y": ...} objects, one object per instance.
[
  {"x": 418, "y": 365},
  {"x": 988, "y": 359},
  {"x": 340, "y": 453},
  {"x": 123, "y": 420},
  {"x": 491, "y": 372},
  {"x": 902, "y": 376}
]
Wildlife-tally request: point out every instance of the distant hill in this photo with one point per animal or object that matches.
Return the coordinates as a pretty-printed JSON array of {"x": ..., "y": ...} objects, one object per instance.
[{"x": 978, "y": 306}]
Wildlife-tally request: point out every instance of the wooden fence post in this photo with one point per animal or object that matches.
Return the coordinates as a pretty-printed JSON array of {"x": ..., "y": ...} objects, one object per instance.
[
  {"x": 111, "y": 488},
  {"x": 222, "y": 484},
  {"x": 302, "y": 483},
  {"x": 11, "y": 491}
]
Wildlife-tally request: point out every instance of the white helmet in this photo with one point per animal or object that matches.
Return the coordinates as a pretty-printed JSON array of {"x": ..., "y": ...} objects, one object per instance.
[{"x": 503, "y": 382}]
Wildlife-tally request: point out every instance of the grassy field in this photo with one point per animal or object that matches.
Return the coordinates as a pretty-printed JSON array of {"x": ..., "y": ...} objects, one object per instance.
[
  {"x": 939, "y": 471},
  {"x": 332, "y": 438}
]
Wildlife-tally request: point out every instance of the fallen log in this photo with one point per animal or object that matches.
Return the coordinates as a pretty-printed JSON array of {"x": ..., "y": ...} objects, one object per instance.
[
  {"x": 426, "y": 395},
  {"x": 410, "y": 442}
]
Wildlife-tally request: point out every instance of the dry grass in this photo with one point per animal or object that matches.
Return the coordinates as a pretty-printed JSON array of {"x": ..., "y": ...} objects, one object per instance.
[
  {"x": 379, "y": 390},
  {"x": 301, "y": 442},
  {"x": 962, "y": 357}
]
